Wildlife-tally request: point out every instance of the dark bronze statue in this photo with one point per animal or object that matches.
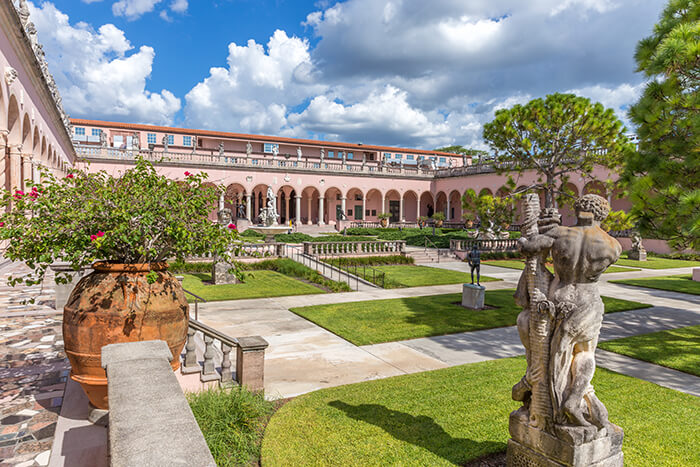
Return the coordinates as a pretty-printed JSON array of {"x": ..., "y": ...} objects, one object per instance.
[{"x": 474, "y": 259}]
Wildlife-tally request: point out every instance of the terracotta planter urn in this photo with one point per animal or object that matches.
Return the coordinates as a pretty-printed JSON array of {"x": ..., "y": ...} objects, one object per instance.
[
  {"x": 384, "y": 222},
  {"x": 116, "y": 304},
  {"x": 438, "y": 223}
]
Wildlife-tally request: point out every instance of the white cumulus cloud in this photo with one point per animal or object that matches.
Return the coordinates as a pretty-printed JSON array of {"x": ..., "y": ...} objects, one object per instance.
[
  {"x": 132, "y": 9},
  {"x": 99, "y": 73}
]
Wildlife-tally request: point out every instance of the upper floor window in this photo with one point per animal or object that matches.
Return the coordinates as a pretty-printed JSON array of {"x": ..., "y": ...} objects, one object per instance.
[
  {"x": 79, "y": 130},
  {"x": 187, "y": 141},
  {"x": 171, "y": 139},
  {"x": 151, "y": 138},
  {"x": 351, "y": 155},
  {"x": 398, "y": 156},
  {"x": 331, "y": 154},
  {"x": 409, "y": 157},
  {"x": 96, "y": 132},
  {"x": 443, "y": 160},
  {"x": 387, "y": 155},
  {"x": 269, "y": 147}
]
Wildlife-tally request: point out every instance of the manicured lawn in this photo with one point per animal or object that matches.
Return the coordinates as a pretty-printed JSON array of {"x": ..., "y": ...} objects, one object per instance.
[
  {"x": 257, "y": 284},
  {"x": 653, "y": 262},
  {"x": 677, "y": 348},
  {"x": 519, "y": 264},
  {"x": 405, "y": 275},
  {"x": 454, "y": 415},
  {"x": 376, "y": 321},
  {"x": 682, "y": 283}
]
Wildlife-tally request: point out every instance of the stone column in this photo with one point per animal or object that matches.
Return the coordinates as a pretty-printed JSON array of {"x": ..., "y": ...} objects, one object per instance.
[
  {"x": 4, "y": 173},
  {"x": 383, "y": 209},
  {"x": 35, "y": 172},
  {"x": 342, "y": 205},
  {"x": 298, "y": 206},
  {"x": 401, "y": 217},
  {"x": 308, "y": 210},
  {"x": 447, "y": 214},
  {"x": 320, "y": 211},
  {"x": 15, "y": 169},
  {"x": 364, "y": 205},
  {"x": 26, "y": 170},
  {"x": 247, "y": 207},
  {"x": 221, "y": 200}
]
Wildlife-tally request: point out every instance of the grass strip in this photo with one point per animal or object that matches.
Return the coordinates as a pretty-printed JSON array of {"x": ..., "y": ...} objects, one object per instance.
[
  {"x": 683, "y": 283},
  {"x": 676, "y": 348}
]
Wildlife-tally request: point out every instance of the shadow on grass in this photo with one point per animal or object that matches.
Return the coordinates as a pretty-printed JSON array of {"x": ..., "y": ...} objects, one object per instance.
[{"x": 420, "y": 430}]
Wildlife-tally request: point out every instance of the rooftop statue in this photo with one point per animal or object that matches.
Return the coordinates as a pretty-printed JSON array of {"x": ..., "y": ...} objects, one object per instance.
[
  {"x": 248, "y": 149},
  {"x": 299, "y": 153},
  {"x": 559, "y": 327}
]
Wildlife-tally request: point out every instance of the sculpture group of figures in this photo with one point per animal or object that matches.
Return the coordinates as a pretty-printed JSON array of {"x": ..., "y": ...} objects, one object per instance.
[
  {"x": 562, "y": 421},
  {"x": 268, "y": 215}
]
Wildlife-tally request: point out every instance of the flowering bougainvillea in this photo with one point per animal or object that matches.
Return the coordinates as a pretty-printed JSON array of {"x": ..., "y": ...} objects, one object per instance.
[{"x": 139, "y": 217}]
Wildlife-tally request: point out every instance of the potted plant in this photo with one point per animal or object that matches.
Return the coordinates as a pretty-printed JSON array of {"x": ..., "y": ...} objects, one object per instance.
[
  {"x": 469, "y": 218},
  {"x": 384, "y": 219},
  {"x": 439, "y": 218},
  {"x": 126, "y": 228},
  {"x": 422, "y": 220}
]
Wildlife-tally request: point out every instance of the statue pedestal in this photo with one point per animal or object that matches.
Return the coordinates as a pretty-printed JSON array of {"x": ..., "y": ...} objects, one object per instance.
[
  {"x": 220, "y": 274},
  {"x": 637, "y": 255},
  {"x": 696, "y": 274},
  {"x": 473, "y": 296},
  {"x": 572, "y": 447}
]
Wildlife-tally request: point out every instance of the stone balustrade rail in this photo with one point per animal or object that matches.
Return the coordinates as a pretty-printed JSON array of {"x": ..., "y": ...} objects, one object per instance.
[
  {"x": 508, "y": 244},
  {"x": 363, "y": 248}
]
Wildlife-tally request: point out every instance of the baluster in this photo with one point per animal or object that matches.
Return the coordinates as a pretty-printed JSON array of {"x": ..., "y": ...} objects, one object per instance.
[
  {"x": 226, "y": 374},
  {"x": 191, "y": 364},
  {"x": 209, "y": 371}
]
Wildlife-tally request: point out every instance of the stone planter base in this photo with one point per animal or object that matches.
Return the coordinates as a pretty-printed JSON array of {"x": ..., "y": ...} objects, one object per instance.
[
  {"x": 637, "y": 255},
  {"x": 220, "y": 274}
]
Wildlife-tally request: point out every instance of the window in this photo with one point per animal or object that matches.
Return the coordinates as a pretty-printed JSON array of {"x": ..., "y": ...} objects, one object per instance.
[
  {"x": 387, "y": 155},
  {"x": 331, "y": 155},
  {"x": 151, "y": 138},
  {"x": 350, "y": 155},
  {"x": 410, "y": 157},
  {"x": 443, "y": 160},
  {"x": 187, "y": 141},
  {"x": 398, "y": 156},
  {"x": 79, "y": 130},
  {"x": 96, "y": 132},
  {"x": 269, "y": 147},
  {"x": 171, "y": 139}
]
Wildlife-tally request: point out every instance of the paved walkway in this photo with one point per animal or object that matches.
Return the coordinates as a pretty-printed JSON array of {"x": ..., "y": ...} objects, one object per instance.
[{"x": 303, "y": 357}]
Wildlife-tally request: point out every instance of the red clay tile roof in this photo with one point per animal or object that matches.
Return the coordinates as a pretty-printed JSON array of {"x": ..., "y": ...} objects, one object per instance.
[{"x": 273, "y": 139}]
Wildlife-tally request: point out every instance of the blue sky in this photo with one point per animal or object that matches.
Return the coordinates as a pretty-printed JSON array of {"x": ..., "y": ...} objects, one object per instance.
[{"x": 394, "y": 72}]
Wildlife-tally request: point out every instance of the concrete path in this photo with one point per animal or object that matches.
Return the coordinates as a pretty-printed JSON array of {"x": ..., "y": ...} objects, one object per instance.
[{"x": 303, "y": 357}]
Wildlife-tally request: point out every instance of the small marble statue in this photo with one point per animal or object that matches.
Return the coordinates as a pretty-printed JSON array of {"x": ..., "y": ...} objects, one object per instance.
[
  {"x": 269, "y": 214},
  {"x": 474, "y": 260},
  {"x": 225, "y": 217},
  {"x": 323, "y": 154},
  {"x": 241, "y": 210},
  {"x": 559, "y": 327},
  {"x": 103, "y": 138},
  {"x": 221, "y": 149},
  {"x": 248, "y": 149},
  {"x": 275, "y": 151},
  {"x": 165, "y": 143},
  {"x": 135, "y": 143},
  {"x": 638, "y": 252},
  {"x": 299, "y": 153}
]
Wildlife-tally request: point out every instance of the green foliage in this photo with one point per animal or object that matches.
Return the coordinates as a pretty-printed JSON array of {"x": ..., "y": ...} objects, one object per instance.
[
  {"x": 371, "y": 260},
  {"x": 438, "y": 216},
  {"x": 617, "y": 221},
  {"x": 296, "y": 237},
  {"x": 384, "y": 215},
  {"x": 456, "y": 149},
  {"x": 683, "y": 283},
  {"x": 179, "y": 266},
  {"x": 232, "y": 422},
  {"x": 497, "y": 209},
  {"x": 663, "y": 178},
  {"x": 557, "y": 136},
  {"x": 250, "y": 233},
  {"x": 140, "y": 217},
  {"x": 291, "y": 268}
]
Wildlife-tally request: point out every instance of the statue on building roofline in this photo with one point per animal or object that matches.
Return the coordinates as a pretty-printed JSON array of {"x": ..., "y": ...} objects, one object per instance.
[
  {"x": 299, "y": 153},
  {"x": 275, "y": 151},
  {"x": 248, "y": 149},
  {"x": 165, "y": 143},
  {"x": 221, "y": 149},
  {"x": 559, "y": 328},
  {"x": 323, "y": 154},
  {"x": 103, "y": 138}
]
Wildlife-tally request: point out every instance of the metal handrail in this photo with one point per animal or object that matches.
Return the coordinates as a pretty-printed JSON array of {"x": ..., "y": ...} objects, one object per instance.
[
  {"x": 197, "y": 299},
  {"x": 427, "y": 240}
]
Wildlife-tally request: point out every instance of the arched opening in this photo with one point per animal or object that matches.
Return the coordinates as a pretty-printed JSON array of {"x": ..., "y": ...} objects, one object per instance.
[
  {"x": 286, "y": 204},
  {"x": 393, "y": 205},
  {"x": 373, "y": 204},
  {"x": 410, "y": 206},
  {"x": 332, "y": 205},
  {"x": 258, "y": 201},
  {"x": 427, "y": 204},
  {"x": 455, "y": 207},
  {"x": 309, "y": 205},
  {"x": 595, "y": 187},
  {"x": 14, "y": 135},
  {"x": 354, "y": 205},
  {"x": 441, "y": 203},
  {"x": 234, "y": 199}
]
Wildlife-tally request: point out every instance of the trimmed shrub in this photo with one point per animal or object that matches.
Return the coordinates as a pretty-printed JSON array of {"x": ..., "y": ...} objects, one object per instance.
[{"x": 372, "y": 260}]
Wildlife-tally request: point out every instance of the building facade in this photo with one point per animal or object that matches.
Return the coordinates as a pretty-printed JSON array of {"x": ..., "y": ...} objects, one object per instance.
[{"x": 34, "y": 130}]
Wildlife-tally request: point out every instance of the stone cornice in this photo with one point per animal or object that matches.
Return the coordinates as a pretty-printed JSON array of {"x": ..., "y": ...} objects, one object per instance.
[{"x": 11, "y": 24}]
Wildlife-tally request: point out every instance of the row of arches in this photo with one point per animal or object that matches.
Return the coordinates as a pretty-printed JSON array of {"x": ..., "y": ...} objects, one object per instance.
[
  {"x": 24, "y": 143},
  {"x": 314, "y": 205}
]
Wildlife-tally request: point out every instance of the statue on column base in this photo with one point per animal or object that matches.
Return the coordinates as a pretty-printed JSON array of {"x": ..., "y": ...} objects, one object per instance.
[{"x": 562, "y": 422}]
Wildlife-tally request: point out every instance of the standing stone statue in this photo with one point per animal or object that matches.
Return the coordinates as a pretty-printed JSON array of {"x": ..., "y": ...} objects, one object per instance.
[
  {"x": 323, "y": 154},
  {"x": 474, "y": 260},
  {"x": 638, "y": 252},
  {"x": 103, "y": 138},
  {"x": 248, "y": 149},
  {"x": 269, "y": 214},
  {"x": 135, "y": 142},
  {"x": 221, "y": 149},
  {"x": 223, "y": 271},
  {"x": 275, "y": 151},
  {"x": 299, "y": 154},
  {"x": 225, "y": 217},
  {"x": 165, "y": 143},
  {"x": 562, "y": 421}
]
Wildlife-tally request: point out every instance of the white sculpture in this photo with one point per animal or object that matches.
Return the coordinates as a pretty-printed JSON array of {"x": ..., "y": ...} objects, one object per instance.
[
  {"x": 248, "y": 149},
  {"x": 559, "y": 327},
  {"x": 221, "y": 149},
  {"x": 103, "y": 138},
  {"x": 299, "y": 154},
  {"x": 323, "y": 154},
  {"x": 10, "y": 75},
  {"x": 269, "y": 214},
  {"x": 275, "y": 151}
]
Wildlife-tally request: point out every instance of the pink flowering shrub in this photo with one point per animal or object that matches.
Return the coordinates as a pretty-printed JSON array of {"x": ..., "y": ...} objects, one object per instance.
[{"x": 140, "y": 217}]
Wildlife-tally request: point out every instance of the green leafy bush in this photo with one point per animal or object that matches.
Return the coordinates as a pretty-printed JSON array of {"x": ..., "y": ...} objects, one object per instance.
[
  {"x": 232, "y": 422},
  {"x": 294, "y": 238},
  {"x": 249, "y": 233},
  {"x": 291, "y": 268},
  {"x": 372, "y": 260},
  {"x": 179, "y": 266}
]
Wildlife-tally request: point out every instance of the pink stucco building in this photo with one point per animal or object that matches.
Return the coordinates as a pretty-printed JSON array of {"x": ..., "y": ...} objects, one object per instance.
[{"x": 314, "y": 181}]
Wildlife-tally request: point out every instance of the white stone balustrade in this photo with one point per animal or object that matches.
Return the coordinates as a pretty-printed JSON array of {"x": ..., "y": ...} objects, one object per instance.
[{"x": 362, "y": 248}]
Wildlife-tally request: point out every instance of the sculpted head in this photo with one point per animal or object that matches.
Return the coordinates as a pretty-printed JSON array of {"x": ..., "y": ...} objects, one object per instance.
[{"x": 592, "y": 204}]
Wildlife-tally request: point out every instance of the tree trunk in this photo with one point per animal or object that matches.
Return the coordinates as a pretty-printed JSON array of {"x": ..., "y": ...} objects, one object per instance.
[{"x": 549, "y": 192}]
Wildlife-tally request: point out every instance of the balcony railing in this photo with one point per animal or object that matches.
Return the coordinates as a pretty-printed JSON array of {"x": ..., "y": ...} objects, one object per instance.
[
  {"x": 460, "y": 245},
  {"x": 379, "y": 247},
  {"x": 254, "y": 161}
]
